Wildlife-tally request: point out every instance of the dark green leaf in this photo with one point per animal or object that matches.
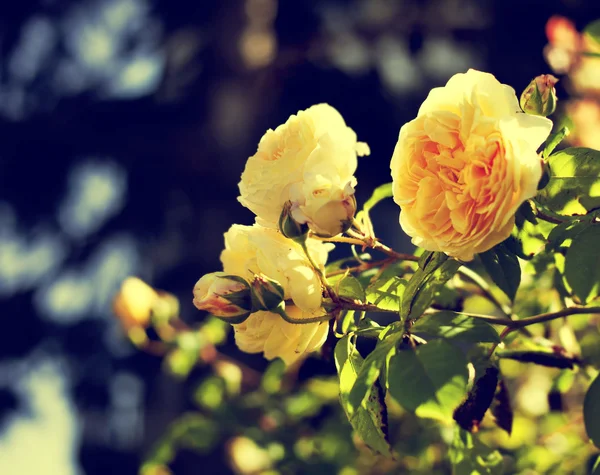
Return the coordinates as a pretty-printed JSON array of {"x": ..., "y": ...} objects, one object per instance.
[
  {"x": 582, "y": 264},
  {"x": 425, "y": 283},
  {"x": 593, "y": 31},
  {"x": 469, "y": 456},
  {"x": 502, "y": 408},
  {"x": 386, "y": 292},
  {"x": 504, "y": 269},
  {"x": 456, "y": 327},
  {"x": 574, "y": 186},
  {"x": 369, "y": 421},
  {"x": 563, "y": 232},
  {"x": 430, "y": 380},
  {"x": 591, "y": 411},
  {"x": 470, "y": 413}
]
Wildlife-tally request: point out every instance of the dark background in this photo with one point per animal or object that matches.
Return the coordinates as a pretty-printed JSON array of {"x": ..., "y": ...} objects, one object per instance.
[{"x": 124, "y": 128}]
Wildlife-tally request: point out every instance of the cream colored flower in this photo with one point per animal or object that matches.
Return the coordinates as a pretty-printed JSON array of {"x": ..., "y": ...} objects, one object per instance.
[
  {"x": 135, "y": 302},
  {"x": 310, "y": 160},
  {"x": 268, "y": 333},
  {"x": 251, "y": 250},
  {"x": 465, "y": 164},
  {"x": 223, "y": 295}
]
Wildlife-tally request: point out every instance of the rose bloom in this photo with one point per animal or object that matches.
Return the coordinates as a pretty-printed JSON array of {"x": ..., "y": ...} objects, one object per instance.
[
  {"x": 222, "y": 295},
  {"x": 255, "y": 249},
  {"x": 251, "y": 250},
  {"x": 135, "y": 302},
  {"x": 310, "y": 160},
  {"x": 268, "y": 333},
  {"x": 462, "y": 168}
]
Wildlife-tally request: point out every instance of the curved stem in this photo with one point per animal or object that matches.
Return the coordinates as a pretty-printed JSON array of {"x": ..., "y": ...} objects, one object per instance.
[
  {"x": 302, "y": 321},
  {"x": 476, "y": 279},
  {"x": 546, "y": 317}
]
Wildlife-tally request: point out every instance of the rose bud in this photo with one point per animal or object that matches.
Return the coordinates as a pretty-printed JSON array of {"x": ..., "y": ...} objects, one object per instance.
[
  {"x": 223, "y": 295},
  {"x": 539, "y": 98},
  {"x": 291, "y": 228},
  {"x": 134, "y": 303},
  {"x": 267, "y": 294}
]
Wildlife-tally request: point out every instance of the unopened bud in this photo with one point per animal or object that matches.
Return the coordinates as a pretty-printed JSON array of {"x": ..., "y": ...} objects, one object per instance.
[
  {"x": 134, "y": 303},
  {"x": 539, "y": 98},
  {"x": 291, "y": 228},
  {"x": 223, "y": 295},
  {"x": 267, "y": 294}
]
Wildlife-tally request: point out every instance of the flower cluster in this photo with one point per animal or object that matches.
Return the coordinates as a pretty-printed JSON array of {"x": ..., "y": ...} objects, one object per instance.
[
  {"x": 460, "y": 171},
  {"x": 301, "y": 178}
]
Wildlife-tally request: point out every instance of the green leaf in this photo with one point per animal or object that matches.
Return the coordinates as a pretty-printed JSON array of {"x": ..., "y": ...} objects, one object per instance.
[
  {"x": 272, "y": 377},
  {"x": 574, "y": 186},
  {"x": 349, "y": 287},
  {"x": 379, "y": 194},
  {"x": 370, "y": 421},
  {"x": 582, "y": 264},
  {"x": 433, "y": 272},
  {"x": 591, "y": 411},
  {"x": 386, "y": 292},
  {"x": 593, "y": 31},
  {"x": 456, "y": 327},
  {"x": 430, "y": 380},
  {"x": 370, "y": 370},
  {"x": 596, "y": 468},
  {"x": 555, "y": 139},
  {"x": 469, "y": 456},
  {"x": 564, "y": 232},
  {"x": 504, "y": 269}
]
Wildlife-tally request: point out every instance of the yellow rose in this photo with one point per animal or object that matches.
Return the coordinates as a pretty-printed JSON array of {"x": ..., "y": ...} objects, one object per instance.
[
  {"x": 268, "y": 333},
  {"x": 251, "y": 250},
  {"x": 465, "y": 164},
  {"x": 310, "y": 160},
  {"x": 135, "y": 302},
  {"x": 223, "y": 295}
]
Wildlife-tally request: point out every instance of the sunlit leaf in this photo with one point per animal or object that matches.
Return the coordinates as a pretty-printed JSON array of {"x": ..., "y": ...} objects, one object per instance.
[
  {"x": 368, "y": 420},
  {"x": 554, "y": 140},
  {"x": 430, "y": 380},
  {"x": 380, "y": 193},
  {"x": 370, "y": 370},
  {"x": 582, "y": 264},
  {"x": 425, "y": 283},
  {"x": 456, "y": 327},
  {"x": 386, "y": 292},
  {"x": 504, "y": 269},
  {"x": 348, "y": 286},
  {"x": 591, "y": 411},
  {"x": 469, "y": 456},
  {"x": 574, "y": 186}
]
